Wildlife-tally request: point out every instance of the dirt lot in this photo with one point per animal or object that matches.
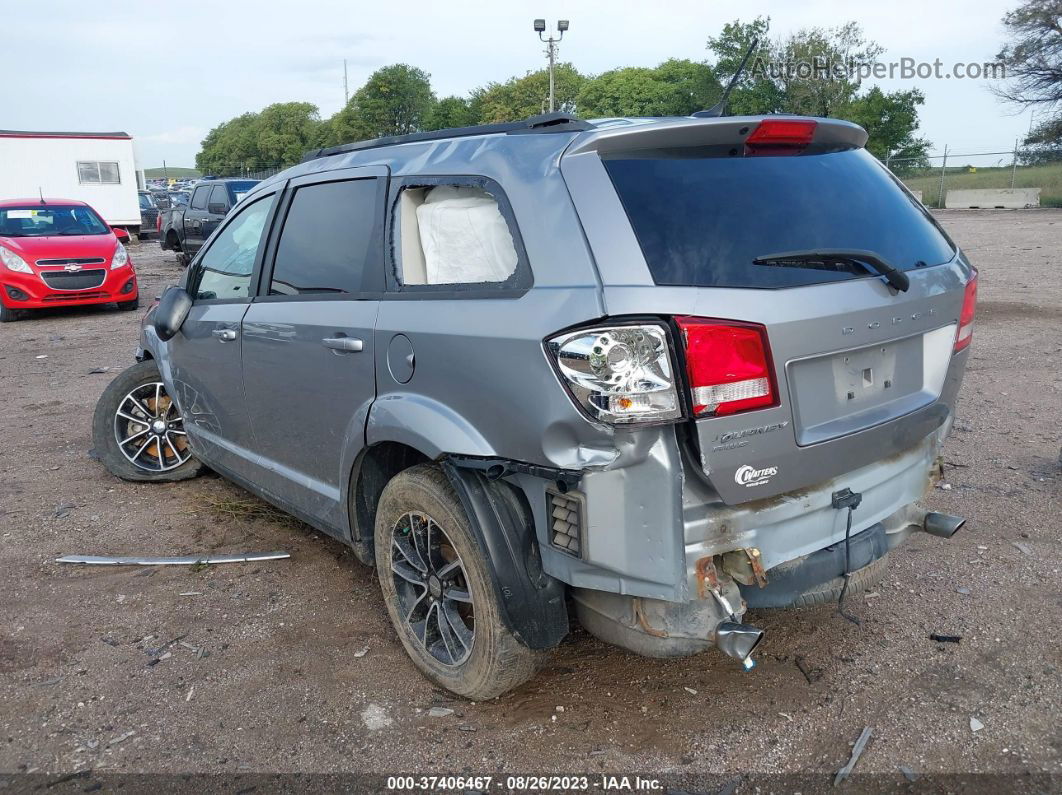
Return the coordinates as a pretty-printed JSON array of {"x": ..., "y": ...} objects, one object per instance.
[{"x": 280, "y": 686}]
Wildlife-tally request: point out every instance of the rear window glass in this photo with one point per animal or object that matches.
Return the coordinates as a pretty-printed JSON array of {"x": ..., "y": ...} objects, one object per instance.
[{"x": 702, "y": 220}]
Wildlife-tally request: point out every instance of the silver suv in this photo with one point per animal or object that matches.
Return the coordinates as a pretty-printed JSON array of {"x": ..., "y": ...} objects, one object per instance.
[{"x": 654, "y": 372}]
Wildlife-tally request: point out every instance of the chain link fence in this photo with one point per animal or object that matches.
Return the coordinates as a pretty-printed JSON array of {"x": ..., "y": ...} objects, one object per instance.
[
  {"x": 1016, "y": 167},
  {"x": 248, "y": 171}
]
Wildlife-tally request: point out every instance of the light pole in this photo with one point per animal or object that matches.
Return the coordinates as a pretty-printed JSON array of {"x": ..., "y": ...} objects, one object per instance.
[{"x": 551, "y": 53}]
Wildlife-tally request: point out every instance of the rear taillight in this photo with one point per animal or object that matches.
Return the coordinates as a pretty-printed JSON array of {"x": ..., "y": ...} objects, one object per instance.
[
  {"x": 729, "y": 366},
  {"x": 969, "y": 306},
  {"x": 780, "y": 136},
  {"x": 619, "y": 374}
]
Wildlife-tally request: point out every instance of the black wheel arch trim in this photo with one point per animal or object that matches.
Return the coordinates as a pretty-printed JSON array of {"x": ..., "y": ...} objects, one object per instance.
[{"x": 532, "y": 603}]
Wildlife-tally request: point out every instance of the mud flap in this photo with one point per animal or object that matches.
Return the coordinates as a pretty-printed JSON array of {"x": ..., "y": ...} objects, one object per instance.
[{"x": 532, "y": 603}]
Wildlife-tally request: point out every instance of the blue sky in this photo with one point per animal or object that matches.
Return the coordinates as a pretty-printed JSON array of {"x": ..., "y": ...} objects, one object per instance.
[{"x": 168, "y": 72}]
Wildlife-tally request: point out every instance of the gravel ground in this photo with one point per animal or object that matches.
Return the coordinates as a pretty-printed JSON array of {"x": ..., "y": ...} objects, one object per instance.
[{"x": 281, "y": 683}]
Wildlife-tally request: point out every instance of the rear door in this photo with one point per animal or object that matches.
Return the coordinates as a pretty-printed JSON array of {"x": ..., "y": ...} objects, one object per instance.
[
  {"x": 203, "y": 359},
  {"x": 856, "y": 369},
  {"x": 194, "y": 215},
  {"x": 218, "y": 206},
  {"x": 308, "y": 339}
]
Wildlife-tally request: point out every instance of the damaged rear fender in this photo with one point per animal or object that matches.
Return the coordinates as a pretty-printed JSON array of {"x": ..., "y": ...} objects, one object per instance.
[{"x": 428, "y": 426}]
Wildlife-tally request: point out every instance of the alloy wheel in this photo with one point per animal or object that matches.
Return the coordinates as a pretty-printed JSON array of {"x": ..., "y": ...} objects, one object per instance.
[
  {"x": 433, "y": 593},
  {"x": 149, "y": 430}
]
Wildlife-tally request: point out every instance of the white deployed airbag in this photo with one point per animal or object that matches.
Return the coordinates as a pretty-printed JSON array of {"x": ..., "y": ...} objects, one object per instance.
[{"x": 464, "y": 237}]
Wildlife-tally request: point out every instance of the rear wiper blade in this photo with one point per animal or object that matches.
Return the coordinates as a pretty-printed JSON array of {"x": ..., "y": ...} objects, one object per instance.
[{"x": 868, "y": 259}]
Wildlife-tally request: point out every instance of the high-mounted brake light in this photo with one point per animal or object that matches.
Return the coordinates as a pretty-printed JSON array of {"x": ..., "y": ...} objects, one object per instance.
[
  {"x": 729, "y": 366},
  {"x": 781, "y": 134},
  {"x": 969, "y": 306}
]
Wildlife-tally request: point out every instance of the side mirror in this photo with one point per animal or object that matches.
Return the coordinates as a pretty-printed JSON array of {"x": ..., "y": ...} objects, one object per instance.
[
  {"x": 121, "y": 234},
  {"x": 172, "y": 310},
  {"x": 217, "y": 209}
]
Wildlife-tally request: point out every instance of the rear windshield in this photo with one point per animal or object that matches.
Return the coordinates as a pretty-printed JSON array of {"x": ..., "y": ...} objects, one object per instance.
[
  {"x": 702, "y": 220},
  {"x": 239, "y": 188}
]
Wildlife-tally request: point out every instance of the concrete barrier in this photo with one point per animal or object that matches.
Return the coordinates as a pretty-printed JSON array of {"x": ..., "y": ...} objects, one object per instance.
[{"x": 1003, "y": 198}]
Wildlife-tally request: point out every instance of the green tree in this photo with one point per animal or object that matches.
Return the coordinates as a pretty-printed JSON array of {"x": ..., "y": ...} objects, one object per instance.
[
  {"x": 277, "y": 136},
  {"x": 449, "y": 112},
  {"x": 814, "y": 79},
  {"x": 520, "y": 97},
  {"x": 228, "y": 146},
  {"x": 754, "y": 93},
  {"x": 675, "y": 88},
  {"x": 394, "y": 101},
  {"x": 891, "y": 120},
  {"x": 1033, "y": 55},
  {"x": 285, "y": 131}
]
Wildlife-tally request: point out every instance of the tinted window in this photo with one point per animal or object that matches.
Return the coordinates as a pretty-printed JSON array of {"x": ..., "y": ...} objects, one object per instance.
[
  {"x": 327, "y": 240},
  {"x": 224, "y": 270},
  {"x": 199, "y": 198},
  {"x": 702, "y": 220},
  {"x": 219, "y": 196},
  {"x": 146, "y": 202}
]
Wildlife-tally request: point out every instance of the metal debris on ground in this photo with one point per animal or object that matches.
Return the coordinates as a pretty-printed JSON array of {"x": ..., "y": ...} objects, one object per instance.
[
  {"x": 179, "y": 560},
  {"x": 945, "y": 638},
  {"x": 1022, "y": 547},
  {"x": 121, "y": 738},
  {"x": 857, "y": 751},
  {"x": 976, "y": 725}
]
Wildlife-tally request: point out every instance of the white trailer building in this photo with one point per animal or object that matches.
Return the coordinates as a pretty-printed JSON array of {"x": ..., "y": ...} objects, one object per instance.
[{"x": 98, "y": 168}]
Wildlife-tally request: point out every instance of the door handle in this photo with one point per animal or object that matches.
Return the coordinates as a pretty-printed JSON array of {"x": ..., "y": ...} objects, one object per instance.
[
  {"x": 224, "y": 334},
  {"x": 348, "y": 344}
]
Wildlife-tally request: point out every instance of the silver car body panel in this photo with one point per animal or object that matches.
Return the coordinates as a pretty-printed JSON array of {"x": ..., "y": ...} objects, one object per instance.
[{"x": 658, "y": 498}]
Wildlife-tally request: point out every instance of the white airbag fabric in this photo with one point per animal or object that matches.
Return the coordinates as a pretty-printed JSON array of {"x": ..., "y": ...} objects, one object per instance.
[{"x": 464, "y": 237}]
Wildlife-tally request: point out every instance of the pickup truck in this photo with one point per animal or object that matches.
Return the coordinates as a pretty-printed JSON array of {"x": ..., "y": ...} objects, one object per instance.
[{"x": 186, "y": 227}]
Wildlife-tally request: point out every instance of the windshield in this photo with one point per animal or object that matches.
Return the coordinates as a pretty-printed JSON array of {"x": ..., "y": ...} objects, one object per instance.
[
  {"x": 702, "y": 220},
  {"x": 43, "y": 221}
]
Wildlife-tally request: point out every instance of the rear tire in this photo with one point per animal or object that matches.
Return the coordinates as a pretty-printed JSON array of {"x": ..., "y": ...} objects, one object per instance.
[
  {"x": 8, "y": 315},
  {"x": 437, "y": 587},
  {"x": 163, "y": 458}
]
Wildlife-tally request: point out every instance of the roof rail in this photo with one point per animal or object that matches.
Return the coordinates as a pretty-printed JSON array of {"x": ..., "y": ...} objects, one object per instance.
[{"x": 544, "y": 123}]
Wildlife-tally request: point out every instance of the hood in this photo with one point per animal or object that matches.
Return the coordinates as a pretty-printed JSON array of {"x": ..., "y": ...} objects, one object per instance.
[{"x": 32, "y": 249}]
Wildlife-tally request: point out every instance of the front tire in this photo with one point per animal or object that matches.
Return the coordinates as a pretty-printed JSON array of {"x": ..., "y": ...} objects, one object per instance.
[
  {"x": 137, "y": 432},
  {"x": 438, "y": 590},
  {"x": 129, "y": 306},
  {"x": 9, "y": 315}
]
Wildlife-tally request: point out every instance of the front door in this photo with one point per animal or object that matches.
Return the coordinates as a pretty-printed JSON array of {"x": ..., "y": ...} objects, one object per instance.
[
  {"x": 308, "y": 340},
  {"x": 202, "y": 362}
]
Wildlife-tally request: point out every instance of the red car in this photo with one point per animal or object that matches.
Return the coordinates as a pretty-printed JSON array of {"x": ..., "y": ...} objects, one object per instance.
[{"x": 59, "y": 252}]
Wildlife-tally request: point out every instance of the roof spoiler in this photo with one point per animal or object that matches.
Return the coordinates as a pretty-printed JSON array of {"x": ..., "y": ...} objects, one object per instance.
[
  {"x": 686, "y": 133},
  {"x": 544, "y": 123}
]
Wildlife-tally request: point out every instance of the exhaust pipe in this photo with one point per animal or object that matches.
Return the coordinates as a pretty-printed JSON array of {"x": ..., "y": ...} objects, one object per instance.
[
  {"x": 738, "y": 641},
  {"x": 942, "y": 524}
]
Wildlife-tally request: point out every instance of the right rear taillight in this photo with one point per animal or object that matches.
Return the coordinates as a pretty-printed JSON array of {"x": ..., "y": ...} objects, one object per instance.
[
  {"x": 729, "y": 366},
  {"x": 969, "y": 306}
]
